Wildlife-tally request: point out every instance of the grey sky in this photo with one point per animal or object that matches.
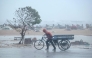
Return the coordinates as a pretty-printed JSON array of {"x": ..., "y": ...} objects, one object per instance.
[{"x": 57, "y": 11}]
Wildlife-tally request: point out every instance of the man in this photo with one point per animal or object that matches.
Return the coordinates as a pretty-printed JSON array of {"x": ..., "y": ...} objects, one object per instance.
[{"x": 49, "y": 36}]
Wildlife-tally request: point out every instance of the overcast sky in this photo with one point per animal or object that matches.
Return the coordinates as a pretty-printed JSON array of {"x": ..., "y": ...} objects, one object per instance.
[{"x": 51, "y": 11}]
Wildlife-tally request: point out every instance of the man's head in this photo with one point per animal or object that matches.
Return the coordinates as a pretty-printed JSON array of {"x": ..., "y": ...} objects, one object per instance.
[{"x": 44, "y": 30}]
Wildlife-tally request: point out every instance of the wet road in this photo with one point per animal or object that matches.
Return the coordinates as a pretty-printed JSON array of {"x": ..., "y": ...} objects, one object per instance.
[{"x": 27, "y": 52}]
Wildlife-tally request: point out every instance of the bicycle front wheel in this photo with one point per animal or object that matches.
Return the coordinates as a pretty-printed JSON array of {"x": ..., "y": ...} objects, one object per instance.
[{"x": 39, "y": 44}]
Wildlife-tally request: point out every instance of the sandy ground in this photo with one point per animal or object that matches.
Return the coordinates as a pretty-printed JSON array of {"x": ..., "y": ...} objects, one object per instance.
[{"x": 53, "y": 31}]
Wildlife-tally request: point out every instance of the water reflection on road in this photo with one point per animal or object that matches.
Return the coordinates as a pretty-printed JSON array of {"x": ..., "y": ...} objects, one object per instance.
[{"x": 33, "y": 53}]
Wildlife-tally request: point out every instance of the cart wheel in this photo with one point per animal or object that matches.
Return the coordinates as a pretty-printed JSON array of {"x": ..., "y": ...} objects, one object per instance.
[
  {"x": 64, "y": 45},
  {"x": 39, "y": 44}
]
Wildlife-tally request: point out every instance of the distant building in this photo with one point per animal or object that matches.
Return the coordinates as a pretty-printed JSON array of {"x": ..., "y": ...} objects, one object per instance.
[
  {"x": 1, "y": 26},
  {"x": 6, "y": 28}
]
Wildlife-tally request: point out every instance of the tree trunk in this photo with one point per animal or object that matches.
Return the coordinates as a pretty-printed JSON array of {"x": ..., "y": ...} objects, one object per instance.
[{"x": 22, "y": 36}]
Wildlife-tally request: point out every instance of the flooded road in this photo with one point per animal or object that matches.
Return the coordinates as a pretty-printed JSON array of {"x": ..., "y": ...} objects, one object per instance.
[
  {"x": 33, "y": 53},
  {"x": 76, "y": 38}
]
